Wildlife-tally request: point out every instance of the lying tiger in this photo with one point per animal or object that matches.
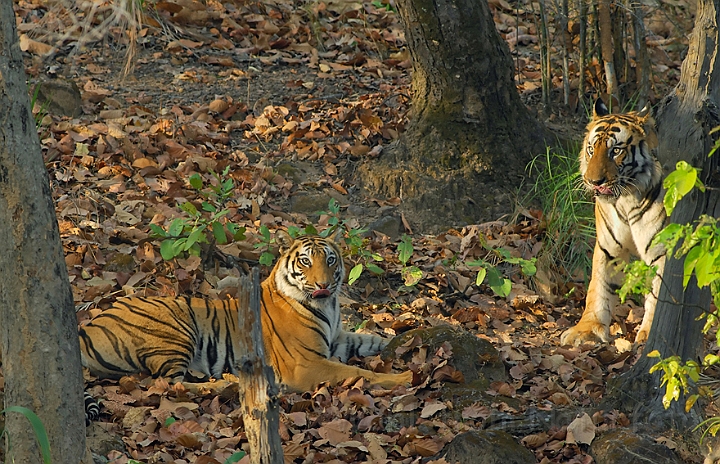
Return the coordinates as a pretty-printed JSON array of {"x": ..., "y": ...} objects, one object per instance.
[
  {"x": 618, "y": 165},
  {"x": 300, "y": 323}
]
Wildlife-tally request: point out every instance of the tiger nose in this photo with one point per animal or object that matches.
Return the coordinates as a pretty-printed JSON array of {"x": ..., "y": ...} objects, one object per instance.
[
  {"x": 322, "y": 285},
  {"x": 599, "y": 181}
]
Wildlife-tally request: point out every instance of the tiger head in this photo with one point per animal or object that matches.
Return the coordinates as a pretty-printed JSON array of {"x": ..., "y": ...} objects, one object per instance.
[
  {"x": 616, "y": 157},
  {"x": 310, "y": 268}
]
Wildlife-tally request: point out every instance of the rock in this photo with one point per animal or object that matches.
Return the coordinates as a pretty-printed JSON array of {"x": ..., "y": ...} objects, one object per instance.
[
  {"x": 476, "y": 358},
  {"x": 388, "y": 225},
  {"x": 60, "y": 97},
  {"x": 309, "y": 203},
  {"x": 101, "y": 442},
  {"x": 623, "y": 446},
  {"x": 486, "y": 447}
]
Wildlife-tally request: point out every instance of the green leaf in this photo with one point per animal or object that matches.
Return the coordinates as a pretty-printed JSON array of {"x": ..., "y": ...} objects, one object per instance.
[
  {"x": 169, "y": 421},
  {"x": 294, "y": 231},
  {"x": 375, "y": 269},
  {"x": 176, "y": 227},
  {"x": 265, "y": 232},
  {"x": 167, "y": 249},
  {"x": 706, "y": 270},
  {"x": 528, "y": 267},
  {"x": 235, "y": 457},
  {"x": 219, "y": 233},
  {"x": 412, "y": 275},
  {"x": 711, "y": 359},
  {"x": 310, "y": 230},
  {"x": 189, "y": 208},
  {"x": 267, "y": 258},
  {"x": 480, "y": 276},
  {"x": 208, "y": 207},
  {"x": 690, "y": 402},
  {"x": 679, "y": 183},
  {"x": 194, "y": 250},
  {"x": 354, "y": 273},
  {"x": 38, "y": 430},
  {"x": 240, "y": 234},
  {"x": 196, "y": 181},
  {"x": 333, "y": 206},
  {"x": 503, "y": 289},
  {"x": 689, "y": 265},
  {"x": 158, "y": 231},
  {"x": 405, "y": 249},
  {"x": 196, "y": 236}
]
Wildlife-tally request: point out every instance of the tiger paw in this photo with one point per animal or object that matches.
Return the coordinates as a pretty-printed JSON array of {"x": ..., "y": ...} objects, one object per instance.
[
  {"x": 641, "y": 336},
  {"x": 392, "y": 380},
  {"x": 585, "y": 331}
]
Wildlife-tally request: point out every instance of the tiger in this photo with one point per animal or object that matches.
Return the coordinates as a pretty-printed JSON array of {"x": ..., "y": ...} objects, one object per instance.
[
  {"x": 618, "y": 165},
  {"x": 300, "y": 319}
]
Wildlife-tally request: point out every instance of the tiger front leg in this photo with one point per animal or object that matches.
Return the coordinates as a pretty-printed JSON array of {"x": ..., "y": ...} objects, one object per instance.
[
  {"x": 594, "y": 325},
  {"x": 349, "y": 344}
]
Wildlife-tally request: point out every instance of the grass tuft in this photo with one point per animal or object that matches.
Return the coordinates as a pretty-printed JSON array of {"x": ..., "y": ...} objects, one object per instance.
[{"x": 568, "y": 220}]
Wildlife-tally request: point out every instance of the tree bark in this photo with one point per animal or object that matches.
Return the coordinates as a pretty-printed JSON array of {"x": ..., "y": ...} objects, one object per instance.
[
  {"x": 470, "y": 137},
  {"x": 258, "y": 390},
  {"x": 40, "y": 350},
  {"x": 684, "y": 121}
]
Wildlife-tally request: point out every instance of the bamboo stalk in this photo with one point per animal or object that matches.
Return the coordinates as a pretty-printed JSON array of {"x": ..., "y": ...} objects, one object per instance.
[{"x": 606, "y": 46}]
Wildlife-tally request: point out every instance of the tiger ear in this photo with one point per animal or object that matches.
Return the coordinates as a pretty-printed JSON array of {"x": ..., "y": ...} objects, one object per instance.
[
  {"x": 599, "y": 109},
  {"x": 284, "y": 240},
  {"x": 646, "y": 113},
  {"x": 336, "y": 236}
]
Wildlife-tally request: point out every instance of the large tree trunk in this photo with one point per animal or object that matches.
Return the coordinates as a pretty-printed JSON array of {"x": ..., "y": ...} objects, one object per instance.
[
  {"x": 470, "y": 137},
  {"x": 40, "y": 350},
  {"x": 684, "y": 120}
]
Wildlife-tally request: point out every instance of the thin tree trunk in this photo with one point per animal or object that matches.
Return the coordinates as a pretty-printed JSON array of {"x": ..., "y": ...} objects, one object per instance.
[
  {"x": 582, "y": 47},
  {"x": 642, "y": 62},
  {"x": 40, "y": 350},
  {"x": 606, "y": 46},
  {"x": 258, "y": 390},
  {"x": 566, "y": 52},
  {"x": 684, "y": 120}
]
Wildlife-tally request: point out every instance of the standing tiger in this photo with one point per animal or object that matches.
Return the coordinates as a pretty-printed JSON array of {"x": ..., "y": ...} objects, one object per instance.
[
  {"x": 618, "y": 165},
  {"x": 301, "y": 325}
]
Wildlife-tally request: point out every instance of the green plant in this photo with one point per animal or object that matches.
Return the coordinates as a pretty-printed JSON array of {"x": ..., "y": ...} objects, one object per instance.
[
  {"x": 43, "y": 111},
  {"x": 498, "y": 283},
  {"x": 386, "y": 5},
  {"x": 700, "y": 247},
  {"x": 568, "y": 220},
  {"x": 411, "y": 274},
  {"x": 355, "y": 243},
  {"x": 235, "y": 457},
  {"x": 38, "y": 430},
  {"x": 266, "y": 258},
  {"x": 204, "y": 226}
]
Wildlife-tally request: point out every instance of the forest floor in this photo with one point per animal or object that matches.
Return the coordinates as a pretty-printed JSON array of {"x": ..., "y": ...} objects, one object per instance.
[{"x": 290, "y": 98}]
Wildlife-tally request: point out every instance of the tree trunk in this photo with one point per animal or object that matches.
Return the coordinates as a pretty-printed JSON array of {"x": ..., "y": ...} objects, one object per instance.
[
  {"x": 684, "y": 120},
  {"x": 258, "y": 390},
  {"x": 470, "y": 137},
  {"x": 40, "y": 350}
]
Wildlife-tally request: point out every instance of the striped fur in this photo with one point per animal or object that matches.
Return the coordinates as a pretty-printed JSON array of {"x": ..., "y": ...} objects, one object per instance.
[
  {"x": 300, "y": 321},
  {"x": 92, "y": 408},
  {"x": 618, "y": 165}
]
